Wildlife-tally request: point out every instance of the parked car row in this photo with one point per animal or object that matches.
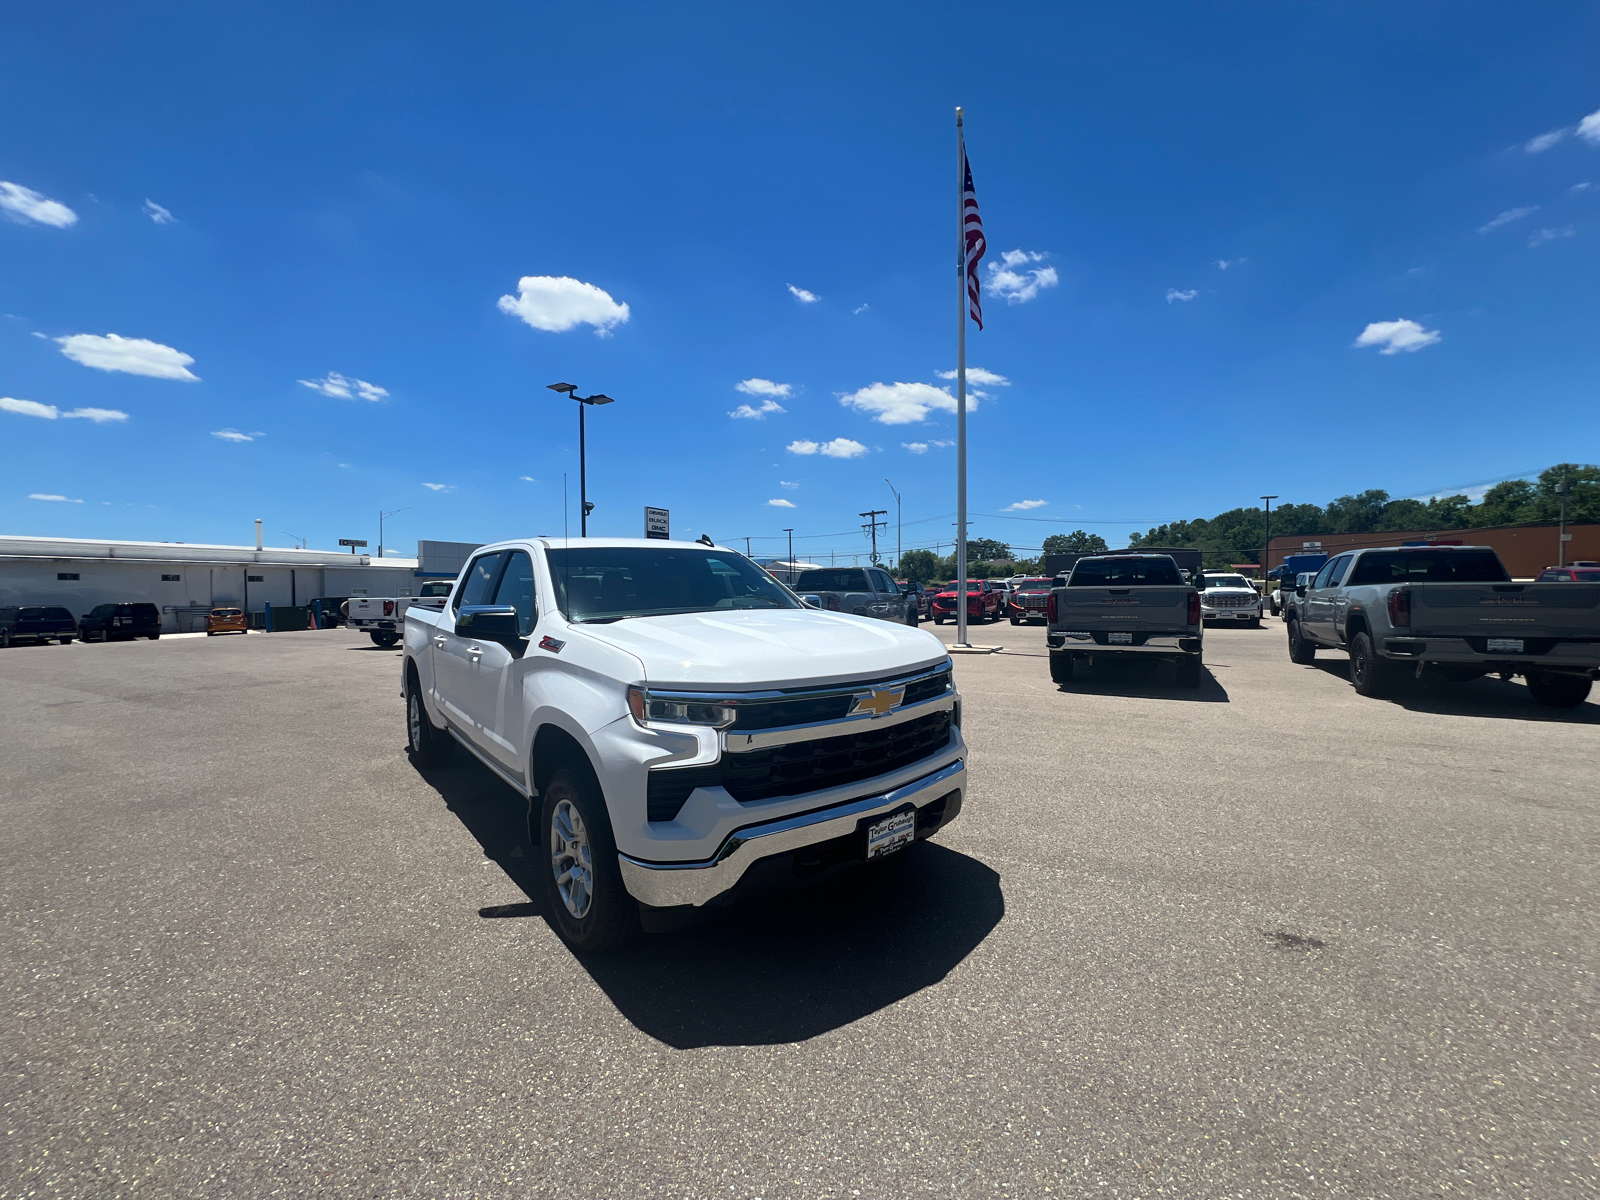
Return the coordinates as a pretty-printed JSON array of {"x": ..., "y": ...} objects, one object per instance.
[{"x": 39, "y": 624}]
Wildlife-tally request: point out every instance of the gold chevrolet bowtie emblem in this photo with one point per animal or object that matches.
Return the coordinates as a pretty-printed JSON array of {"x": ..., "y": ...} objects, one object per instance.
[{"x": 878, "y": 703}]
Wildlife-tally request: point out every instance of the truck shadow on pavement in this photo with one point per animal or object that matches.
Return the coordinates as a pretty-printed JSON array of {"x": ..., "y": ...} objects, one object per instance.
[
  {"x": 1490, "y": 696},
  {"x": 768, "y": 971},
  {"x": 1146, "y": 680}
]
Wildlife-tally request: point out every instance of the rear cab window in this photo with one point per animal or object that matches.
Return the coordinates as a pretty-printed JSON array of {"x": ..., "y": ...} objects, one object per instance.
[
  {"x": 1125, "y": 572},
  {"x": 1429, "y": 566}
]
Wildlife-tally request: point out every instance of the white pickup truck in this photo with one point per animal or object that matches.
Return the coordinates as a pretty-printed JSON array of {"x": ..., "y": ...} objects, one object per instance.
[
  {"x": 384, "y": 618},
  {"x": 684, "y": 729}
]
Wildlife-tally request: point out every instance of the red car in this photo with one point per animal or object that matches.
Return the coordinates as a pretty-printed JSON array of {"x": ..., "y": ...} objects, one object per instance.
[
  {"x": 983, "y": 602},
  {"x": 1578, "y": 572},
  {"x": 1028, "y": 600}
]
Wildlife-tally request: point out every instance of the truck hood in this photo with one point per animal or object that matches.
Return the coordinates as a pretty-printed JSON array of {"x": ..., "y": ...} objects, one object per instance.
[{"x": 768, "y": 649}]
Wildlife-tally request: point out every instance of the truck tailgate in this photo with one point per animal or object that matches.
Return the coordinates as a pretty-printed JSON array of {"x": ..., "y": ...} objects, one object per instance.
[
  {"x": 1139, "y": 609},
  {"x": 1525, "y": 610}
]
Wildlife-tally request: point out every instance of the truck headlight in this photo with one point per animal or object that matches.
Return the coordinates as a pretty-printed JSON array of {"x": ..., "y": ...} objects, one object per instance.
[{"x": 650, "y": 708}]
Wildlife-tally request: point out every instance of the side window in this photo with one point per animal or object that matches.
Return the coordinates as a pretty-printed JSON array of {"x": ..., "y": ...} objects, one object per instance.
[
  {"x": 1340, "y": 566},
  {"x": 479, "y": 583},
  {"x": 516, "y": 589},
  {"x": 1321, "y": 581},
  {"x": 885, "y": 584}
]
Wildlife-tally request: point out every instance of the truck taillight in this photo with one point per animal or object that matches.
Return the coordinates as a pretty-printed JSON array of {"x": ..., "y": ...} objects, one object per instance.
[
  {"x": 1050, "y": 609},
  {"x": 833, "y": 604},
  {"x": 1400, "y": 608},
  {"x": 1194, "y": 608},
  {"x": 388, "y": 608}
]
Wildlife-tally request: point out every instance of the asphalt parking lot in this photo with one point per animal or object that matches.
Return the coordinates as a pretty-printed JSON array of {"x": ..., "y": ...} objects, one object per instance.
[{"x": 1263, "y": 939}]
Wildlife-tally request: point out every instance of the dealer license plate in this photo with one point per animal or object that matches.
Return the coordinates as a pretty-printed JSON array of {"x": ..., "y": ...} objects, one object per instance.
[
  {"x": 1119, "y": 639},
  {"x": 1505, "y": 645},
  {"x": 891, "y": 833}
]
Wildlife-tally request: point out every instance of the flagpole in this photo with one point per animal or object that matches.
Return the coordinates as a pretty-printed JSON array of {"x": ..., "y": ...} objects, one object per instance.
[{"x": 961, "y": 384}]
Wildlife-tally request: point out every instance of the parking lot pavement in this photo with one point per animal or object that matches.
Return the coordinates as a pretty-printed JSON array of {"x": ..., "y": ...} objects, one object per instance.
[{"x": 1262, "y": 939}]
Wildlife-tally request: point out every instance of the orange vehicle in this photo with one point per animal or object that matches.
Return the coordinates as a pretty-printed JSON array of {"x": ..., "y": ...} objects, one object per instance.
[{"x": 227, "y": 620}]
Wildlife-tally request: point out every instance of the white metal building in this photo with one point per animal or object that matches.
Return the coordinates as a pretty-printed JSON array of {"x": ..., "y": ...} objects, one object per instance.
[{"x": 185, "y": 580}]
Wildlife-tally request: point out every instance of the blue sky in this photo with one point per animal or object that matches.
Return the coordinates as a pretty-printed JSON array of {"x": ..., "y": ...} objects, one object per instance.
[{"x": 270, "y": 198}]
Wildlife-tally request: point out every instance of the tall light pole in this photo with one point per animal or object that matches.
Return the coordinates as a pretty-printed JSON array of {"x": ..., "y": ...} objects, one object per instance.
[
  {"x": 896, "y": 527},
  {"x": 790, "y": 532},
  {"x": 1266, "y": 546},
  {"x": 571, "y": 389},
  {"x": 381, "y": 516},
  {"x": 1562, "y": 490}
]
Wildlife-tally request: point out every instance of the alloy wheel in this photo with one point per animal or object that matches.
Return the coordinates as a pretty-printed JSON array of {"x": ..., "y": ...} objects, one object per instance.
[
  {"x": 571, "y": 859},
  {"x": 414, "y": 719}
]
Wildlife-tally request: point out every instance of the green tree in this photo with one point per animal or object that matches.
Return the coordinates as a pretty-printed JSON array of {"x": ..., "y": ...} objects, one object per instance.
[
  {"x": 1357, "y": 514},
  {"x": 921, "y": 566},
  {"x": 1507, "y": 503},
  {"x": 1076, "y": 542},
  {"x": 986, "y": 550}
]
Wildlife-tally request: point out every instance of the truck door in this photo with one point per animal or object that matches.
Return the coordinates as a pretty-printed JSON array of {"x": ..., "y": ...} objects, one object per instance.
[
  {"x": 1316, "y": 610},
  {"x": 499, "y": 696},
  {"x": 455, "y": 659}
]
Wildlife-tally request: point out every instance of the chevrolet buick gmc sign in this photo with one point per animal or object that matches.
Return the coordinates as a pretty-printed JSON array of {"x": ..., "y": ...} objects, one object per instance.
[{"x": 657, "y": 523}]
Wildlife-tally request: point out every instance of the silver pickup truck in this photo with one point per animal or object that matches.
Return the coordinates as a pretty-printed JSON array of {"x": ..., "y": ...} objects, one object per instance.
[
  {"x": 1454, "y": 611},
  {"x": 1125, "y": 605},
  {"x": 863, "y": 591}
]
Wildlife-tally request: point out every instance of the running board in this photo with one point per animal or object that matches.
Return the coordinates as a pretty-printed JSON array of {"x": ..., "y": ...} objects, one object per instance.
[{"x": 493, "y": 766}]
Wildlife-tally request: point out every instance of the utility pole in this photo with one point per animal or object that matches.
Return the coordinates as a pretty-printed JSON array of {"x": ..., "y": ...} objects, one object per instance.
[
  {"x": 872, "y": 528},
  {"x": 381, "y": 516},
  {"x": 747, "y": 547},
  {"x": 1266, "y": 547},
  {"x": 790, "y": 532},
  {"x": 897, "y": 527},
  {"x": 1562, "y": 490}
]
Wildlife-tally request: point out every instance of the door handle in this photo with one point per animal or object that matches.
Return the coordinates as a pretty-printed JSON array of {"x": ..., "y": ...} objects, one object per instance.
[{"x": 438, "y": 641}]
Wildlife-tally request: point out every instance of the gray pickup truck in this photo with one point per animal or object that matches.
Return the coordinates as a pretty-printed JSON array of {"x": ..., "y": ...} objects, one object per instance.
[
  {"x": 864, "y": 591},
  {"x": 1453, "y": 611},
  {"x": 1117, "y": 605}
]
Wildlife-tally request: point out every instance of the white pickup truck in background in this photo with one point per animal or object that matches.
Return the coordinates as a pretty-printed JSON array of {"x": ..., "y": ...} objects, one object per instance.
[
  {"x": 384, "y": 618},
  {"x": 685, "y": 730}
]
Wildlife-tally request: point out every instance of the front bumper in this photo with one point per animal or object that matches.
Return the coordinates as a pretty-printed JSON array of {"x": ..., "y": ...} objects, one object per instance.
[
  {"x": 1230, "y": 614},
  {"x": 1168, "y": 644},
  {"x": 670, "y": 885}
]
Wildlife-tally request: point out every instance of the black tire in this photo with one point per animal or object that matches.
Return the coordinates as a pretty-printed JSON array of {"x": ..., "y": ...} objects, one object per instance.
[
  {"x": 1187, "y": 671},
  {"x": 155, "y": 637},
  {"x": 1016, "y": 620},
  {"x": 428, "y": 746},
  {"x": 211, "y": 633},
  {"x": 1255, "y": 622},
  {"x": 1556, "y": 690},
  {"x": 5, "y": 639},
  {"x": 385, "y": 640},
  {"x": 1061, "y": 666},
  {"x": 595, "y": 914},
  {"x": 65, "y": 641},
  {"x": 1370, "y": 675},
  {"x": 911, "y": 618},
  {"x": 1300, "y": 650},
  {"x": 938, "y": 620}
]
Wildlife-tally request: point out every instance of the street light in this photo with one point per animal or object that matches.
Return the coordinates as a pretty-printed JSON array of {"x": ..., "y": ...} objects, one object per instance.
[
  {"x": 584, "y": 507},
  {"x": 1562, "y": 490},
  {"x": 790, "y": 532},
  {"x": 381, "y": 516},
  {"x": 1266, "y": 547},
  {"x": 896, "y": 528}
]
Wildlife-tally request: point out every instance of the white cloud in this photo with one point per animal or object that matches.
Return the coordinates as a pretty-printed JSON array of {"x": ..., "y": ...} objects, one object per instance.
[
  {"x": 1025, "y": 505},
  {"x": 1505, "y": 218},
  {"x": 1175, "y": 294},
  {"x": 902, "y": 403},
  {"x": 764, "y": 387},
  {"x": 787, "y": 483},
  {"x": 557, "y": 303},
  {"x": 338, "y": 387},
  {"x": 856, "y": 312},
  {"x": 838, "y": 448},
  {"x": 527, "y": 479},
  {"x": 1016, "y": 286},
  {"x": 802, "y": 295},
  {"x": 28, "y": 408},
  {"x": 750, "y": 413},
  {"x": 1589, "y": 128},
  {"x": 924, "y": 447},
  {"x": 24, "y": 204},
  {"x": 979, "y": 376},
  {"x": 100, "y": 416},
  {"x": 1223, "y": 263},
  {"x": 233, "y": 435},
  {"x": 1395, "y": 336},
  {"x": 781, "y": 503},
  {"x": 51, "y": 496},
  {"x": 1541, "y": 236},
  {"x": 440, "y": 487},
  {"x": 1544, "y": 141},
  {"x": 158, "y": 214},
  {"x": 1579, "y": 187},
  {"x": 843, "y": 448},
  {"x": 135, "y": 356}
]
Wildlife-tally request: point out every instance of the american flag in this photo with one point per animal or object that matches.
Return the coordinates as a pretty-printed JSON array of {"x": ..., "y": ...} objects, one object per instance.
[{"x": 972, "y": 225}]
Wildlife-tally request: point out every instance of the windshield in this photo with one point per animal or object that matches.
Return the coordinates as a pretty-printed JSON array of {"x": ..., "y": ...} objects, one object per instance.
[
  {"x": 610, "y": 583},
  {"x": 1033, "y": 585},
  {"x": 441, "y": 588},
  {"x": 1227, "y": 581},
  {"x": 841, "y": 579},
  {"x": 1123, "y": 572},
  {"x": 973, "y": 586},
  {"x": 1425, "y": 566}
]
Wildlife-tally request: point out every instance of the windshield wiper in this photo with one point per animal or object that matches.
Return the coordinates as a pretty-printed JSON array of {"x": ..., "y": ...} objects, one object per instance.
[{"x": 603, "y": 620}]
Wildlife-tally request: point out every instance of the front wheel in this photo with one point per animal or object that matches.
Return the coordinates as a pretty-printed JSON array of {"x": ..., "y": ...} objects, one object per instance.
[
  {"x": 938, "y": 620},
  {"x": 1558, "y": 691},
  {"x": 1370, "y": 675},
  {"x": 1300, "y": 650},
  {"x": 385, "y": 639},
  {"x": 1016, "y": 620},
  {"x": 591, "y": 909}
]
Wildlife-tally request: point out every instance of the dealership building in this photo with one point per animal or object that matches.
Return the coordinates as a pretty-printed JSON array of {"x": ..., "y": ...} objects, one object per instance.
[{"x": 186, "y": 580}]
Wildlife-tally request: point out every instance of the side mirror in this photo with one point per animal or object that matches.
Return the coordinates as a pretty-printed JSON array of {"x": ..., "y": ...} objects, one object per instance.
[
  {"x": 1299, "y": 589},
  {"x": 811, "y": 601},
  {"x": 491, "y": 622}
]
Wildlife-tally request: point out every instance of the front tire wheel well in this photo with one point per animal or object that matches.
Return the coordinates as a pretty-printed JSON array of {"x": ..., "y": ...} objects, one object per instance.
[{"x": 554, "y": 748}]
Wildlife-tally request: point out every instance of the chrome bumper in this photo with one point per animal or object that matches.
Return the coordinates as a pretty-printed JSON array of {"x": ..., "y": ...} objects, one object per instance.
[
  {"x": 1161, "y": 643},
  {"x": 668, "y": 885}
]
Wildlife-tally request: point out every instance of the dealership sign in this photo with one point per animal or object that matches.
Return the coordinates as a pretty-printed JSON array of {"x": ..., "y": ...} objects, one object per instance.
[{"x": 657, "y": 523}]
